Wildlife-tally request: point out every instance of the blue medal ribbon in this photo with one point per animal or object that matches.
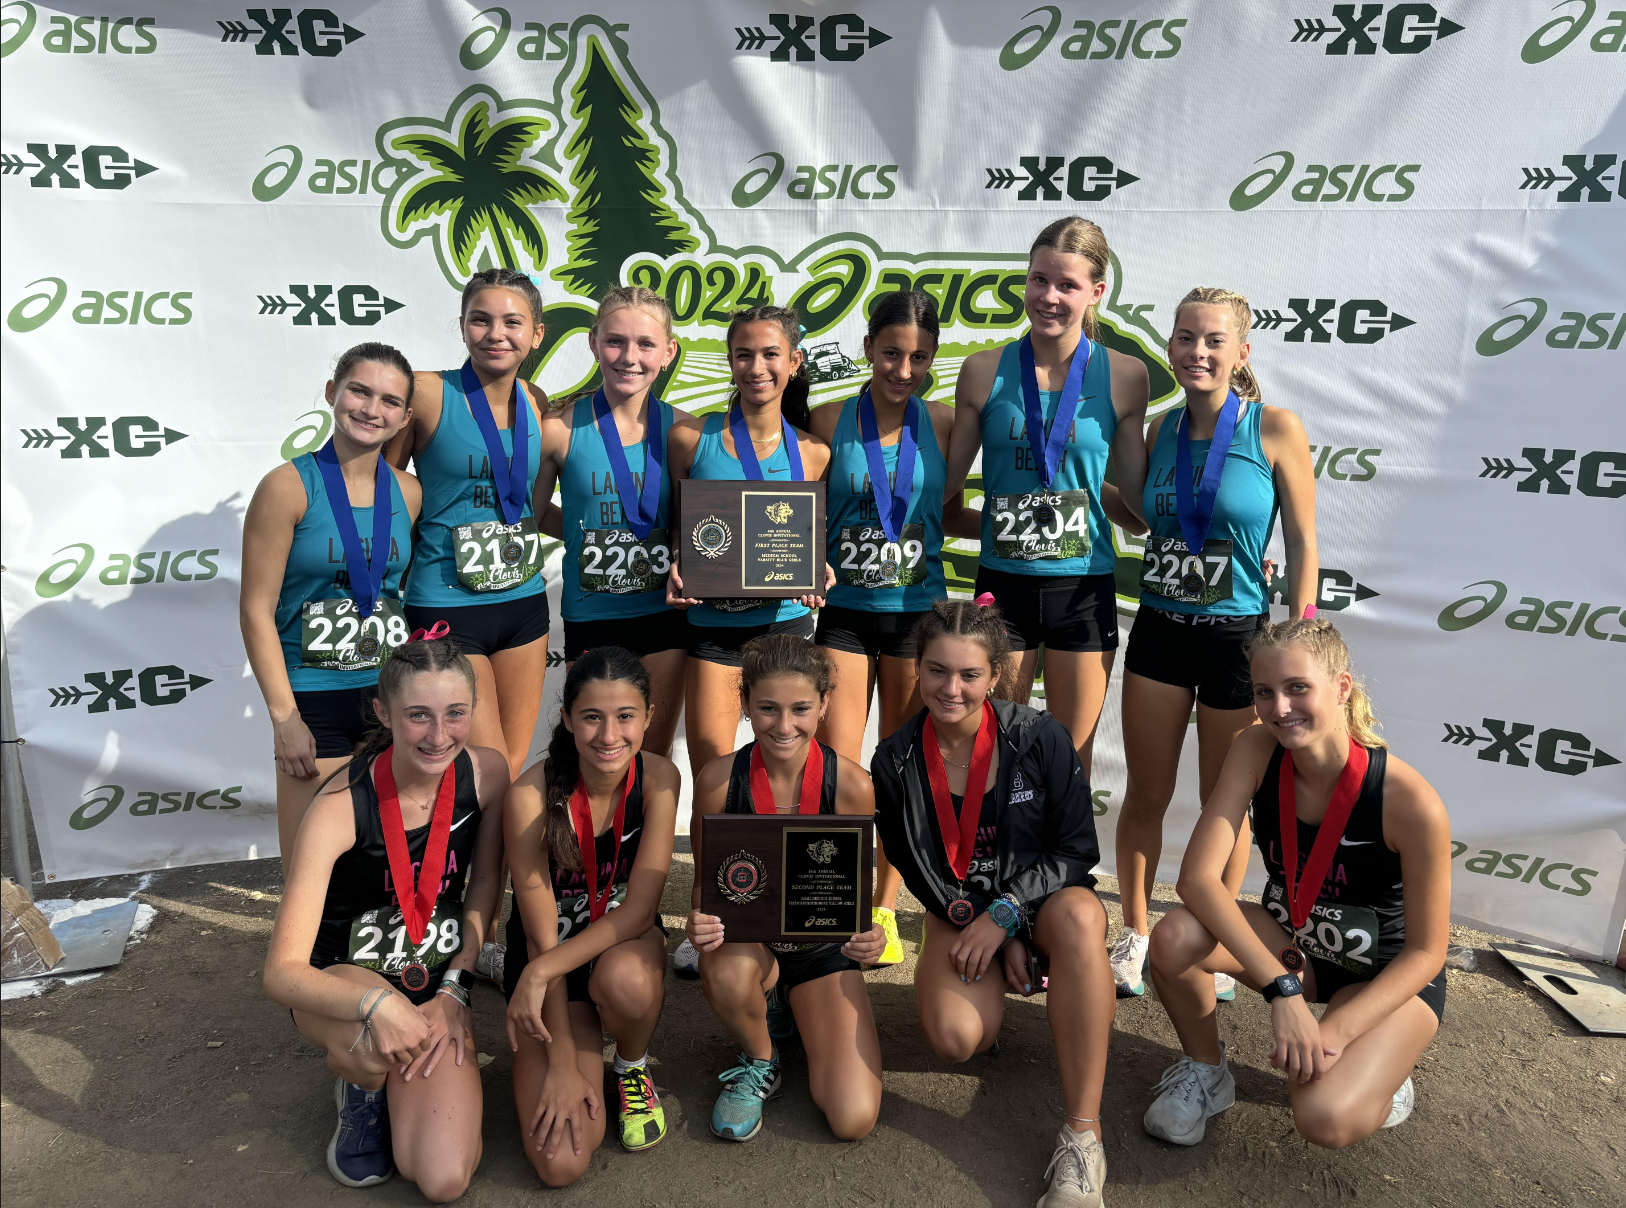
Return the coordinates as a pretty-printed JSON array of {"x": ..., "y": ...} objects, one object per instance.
[
  {"x": 1196, "y": 506},
  {"x": 513, "y": 486},
  {"x": 646, "y": 505},
  {"x": 892, "y": 506},
  {"x": 1047, "y": 446},
  {"x": 746, "y": 452},
  {"x": 366, "y": 574}
]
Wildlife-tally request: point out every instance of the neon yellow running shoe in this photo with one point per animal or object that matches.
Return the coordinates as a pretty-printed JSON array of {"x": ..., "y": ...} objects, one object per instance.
[
  {"x": 893, "y": 952},
  {"x": 643, "y": 1121}
]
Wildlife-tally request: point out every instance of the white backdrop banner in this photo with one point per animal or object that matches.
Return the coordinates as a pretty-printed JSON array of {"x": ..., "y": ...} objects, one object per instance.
[{"x": 205, "y": 204}]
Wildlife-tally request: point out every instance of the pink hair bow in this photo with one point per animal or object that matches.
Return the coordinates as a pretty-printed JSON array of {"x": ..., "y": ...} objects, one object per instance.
[
  {"x": 985, "y": 600},
  {"x": 438, "y": 630}
]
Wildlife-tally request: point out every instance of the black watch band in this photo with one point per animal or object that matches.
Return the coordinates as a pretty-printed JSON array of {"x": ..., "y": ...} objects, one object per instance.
[{"x": 1285, "y": 986}]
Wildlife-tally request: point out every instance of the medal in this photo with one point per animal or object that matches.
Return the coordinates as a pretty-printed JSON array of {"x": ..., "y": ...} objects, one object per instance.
[
  {"x": 638, "y": 564},
  {"x": 959, "y": 834},
  {"x": 513, "y": 493},
  {"x": 366, "y": 573},
  {"x": 1302, "y": 895},
  {"x": 812, "y": 781},
  {"x": 416, "y": 894},
  {"x": 889, "y": 570},
  {"x": 581, "y": 815},
  {"x": 1044, "y": 515},
  {"x": 1292, "y": 959},
  {"x": 1047, "y": 445},
  {"x": 368, "y": 646},
  {"x": 512, "y": 552},
  {"x": 891, "y": 498},
  {"x": 747, "y": 453},
  {"x": 414, "y": 976},
  {"x": 646, "y": 504},
  {"x": 1192, "y": 584},
  {"x": 1195, "y": 503}
]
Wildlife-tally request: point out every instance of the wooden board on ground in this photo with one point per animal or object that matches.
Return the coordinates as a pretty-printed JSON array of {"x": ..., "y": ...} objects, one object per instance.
[{"x": 1591, "y": 993}]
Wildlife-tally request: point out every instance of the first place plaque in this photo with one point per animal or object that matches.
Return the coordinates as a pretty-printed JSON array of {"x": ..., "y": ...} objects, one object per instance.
[
  {"x": 750, "y": 539},
  {"x": 787, "y": 878}
]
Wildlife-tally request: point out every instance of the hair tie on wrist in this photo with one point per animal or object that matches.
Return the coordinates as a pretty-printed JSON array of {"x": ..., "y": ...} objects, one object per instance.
[
  {"x": 436, "y": 631},
  {"x": 986, "y": 600}
]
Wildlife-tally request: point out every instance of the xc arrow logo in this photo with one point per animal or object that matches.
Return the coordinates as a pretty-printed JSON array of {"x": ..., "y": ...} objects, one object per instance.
[
  {"x": 1564, "y": 752},
  {"x": 1589, "y": 176},
  {"x": 359, "y": 305},
  {"x": 842, "y": 38},
  {"x": 133, "y": 436},
  {"x": 164, "y": 685},
  {"x": 1089, "y": 178}
]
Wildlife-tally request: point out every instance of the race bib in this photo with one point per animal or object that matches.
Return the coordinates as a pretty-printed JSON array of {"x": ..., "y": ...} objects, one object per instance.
[
  {"x": 615, "y": 562},
  {"x": 1344, "y": 935},
  {"x": 865, "y": 558},
  {"x": 1042, "y": 524},
  {"x": 1172, "y": 571},
  {"x": 378, "y": 939},
  {"x": 492, "y": 556},
  {"x": 729, "y": 604},
  {"x": 334, "y": 637},
  {"x": 574, "y": 915}
]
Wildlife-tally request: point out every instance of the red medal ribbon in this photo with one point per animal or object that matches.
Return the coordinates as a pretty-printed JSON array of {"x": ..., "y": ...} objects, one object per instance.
[
  {"x": 812, "y": 781},
  {"x": 959, "y": 835},
  {"x": 418, "y": 902},
  {"x": 581, "y": 813},
  {"x": 1327, "y": 837}
]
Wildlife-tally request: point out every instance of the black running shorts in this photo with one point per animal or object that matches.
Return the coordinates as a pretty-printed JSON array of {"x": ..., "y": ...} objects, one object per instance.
[
  {"x": 856, "y": 631},
  {"x": 1070, "y": 613},
  {"x": 487, "y": 628},
  {"x": 1208, "y": 654}
]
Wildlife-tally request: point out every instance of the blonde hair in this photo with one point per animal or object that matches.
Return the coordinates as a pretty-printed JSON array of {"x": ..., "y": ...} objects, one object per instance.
[
  {"x": 1326, "y": 645},
  {"x": 1242, "y": 379},
  {"x": 630, "y": 297},
  {"x": 1075, "y": 236}
]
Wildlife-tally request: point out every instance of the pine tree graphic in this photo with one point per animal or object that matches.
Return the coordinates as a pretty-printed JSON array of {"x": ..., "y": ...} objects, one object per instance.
[{"x": 620, "y": 206}]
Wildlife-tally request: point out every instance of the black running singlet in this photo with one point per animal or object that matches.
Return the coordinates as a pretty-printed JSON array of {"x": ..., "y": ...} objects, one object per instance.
[
  {"x": 570, "y": 888},
  {"x": 1359, "y": 919}
]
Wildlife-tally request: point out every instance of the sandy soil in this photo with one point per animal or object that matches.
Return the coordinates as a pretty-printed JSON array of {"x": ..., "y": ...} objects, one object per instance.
[{"x": 113, "y": 1094}]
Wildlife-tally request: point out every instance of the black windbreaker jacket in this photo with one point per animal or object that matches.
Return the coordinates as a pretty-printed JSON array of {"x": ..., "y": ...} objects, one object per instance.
[{"x": 1046, "y": 818}]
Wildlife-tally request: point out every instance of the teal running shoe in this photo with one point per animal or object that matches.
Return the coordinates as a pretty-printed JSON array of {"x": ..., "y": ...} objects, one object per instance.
[{"x": 737, "y": 1115}]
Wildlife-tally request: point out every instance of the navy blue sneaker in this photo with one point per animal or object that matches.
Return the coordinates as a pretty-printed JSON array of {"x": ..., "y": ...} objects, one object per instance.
[
  {"x": 781, "y": 1019},
  {"x": 359, "y": 1154}
]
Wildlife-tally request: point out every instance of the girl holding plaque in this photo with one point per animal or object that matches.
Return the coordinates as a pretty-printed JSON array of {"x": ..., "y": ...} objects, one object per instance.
[
  {"x": 986, "y": 812},
  {"x": 884, "y": 509},
  {"x": 389, "y": 887},
  {"x": 607, "y": 453},
  {"x": 325, "y": 542},
  {"x": 760, "y": 437},
  {"x": 589, "y": 842},
  {"x": 1046, "y": 410},
  {"x": 1222, "y": 467},
  {"x": 764, "y": 993},
  {"x": 1356, "y": 910}
]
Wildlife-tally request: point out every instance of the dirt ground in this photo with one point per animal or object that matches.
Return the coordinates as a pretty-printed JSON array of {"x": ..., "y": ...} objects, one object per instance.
[{"x": 173, "y": 1080}]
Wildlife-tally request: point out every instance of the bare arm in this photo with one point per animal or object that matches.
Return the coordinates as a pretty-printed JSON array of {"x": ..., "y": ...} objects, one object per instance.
[
  {"x": 855, "y": 795},
  {"x": 1130, "y": 389},
  {"x": 970, "y": 393},
  {"x": 482, "y": 896},
  {"x": 1112, "y": 502},
  {"x": 682, "y": 440},
  {"x": 710, "y": 796},
  {"x": 555, "y": 439},
  {"x": 1288, "y": 449},
  {"x": 278, "y": 505}
]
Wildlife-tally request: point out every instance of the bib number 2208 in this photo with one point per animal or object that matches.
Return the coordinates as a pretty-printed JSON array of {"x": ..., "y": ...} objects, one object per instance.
[{"x": 334, "y": 637}]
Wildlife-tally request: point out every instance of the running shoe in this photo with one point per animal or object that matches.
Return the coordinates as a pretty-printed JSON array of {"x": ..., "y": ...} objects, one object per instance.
[
  {"x": 359, "y": 1153},
  {"x": 643, "y": 1120},
  {"x": 489, "y": 964},
  {"x": 893, "y": 952},
  {"x": 738, "y": 1113},
  {"x": 1190, "y": 1093},
  {"x": 1077, "y": 1172},
  {"x": 1224, "y": 987},
  {"x": 686, "y": 961},
  {"x": 781, "y": 1019},
  {"x": 1405, "y": 1099},
  {"x": 1129, "y": 963}
]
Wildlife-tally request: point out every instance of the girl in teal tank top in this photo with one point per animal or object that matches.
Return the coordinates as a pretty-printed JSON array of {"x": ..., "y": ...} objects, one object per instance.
[{"x": 311, "y": 550}]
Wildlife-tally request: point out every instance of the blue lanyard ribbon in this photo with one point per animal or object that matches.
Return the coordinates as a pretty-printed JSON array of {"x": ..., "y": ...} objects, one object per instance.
[
  {"x": 892, "y": 505},
  {"x": 512, "y": 493},
  {"x": 746, "y": 452},
  {"x": 366, "y": 574},
  {"x": 1196, "y": 506},
  {"x": 1047, "y": 446},
  {"x": 645, "y": 509}
]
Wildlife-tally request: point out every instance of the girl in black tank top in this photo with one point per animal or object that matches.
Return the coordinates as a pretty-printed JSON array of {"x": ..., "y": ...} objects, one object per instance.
[
  {"x": 390, "y": 885},
  {"x": 1355, "y": 911},
  {"x": 764, "y": 992},
  {"x": 589, "y": 845}
]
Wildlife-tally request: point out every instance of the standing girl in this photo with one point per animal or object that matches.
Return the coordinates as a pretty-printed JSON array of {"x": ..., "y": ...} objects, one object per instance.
[
  {"x": 1046, "y": 410},
  {"x": 325, "y": 541},
  {"x": 608, "y": 455},
  {"x": 1222, "y": 467},
  {"x": 589, "y": 840}
]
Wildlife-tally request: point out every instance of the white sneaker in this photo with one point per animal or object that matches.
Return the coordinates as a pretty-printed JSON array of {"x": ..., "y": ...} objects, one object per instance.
[
  {"x": 1224, "y": 987},
  {"x": 1077, "y": 1172},
  {"x": 489, "y": 964},
  {"x": 1190, "y": 1093},
  {"x": 1129, "y": 963},
  {"x": 686, "y": 961},
  {"x": 1405, "y": 1099}
]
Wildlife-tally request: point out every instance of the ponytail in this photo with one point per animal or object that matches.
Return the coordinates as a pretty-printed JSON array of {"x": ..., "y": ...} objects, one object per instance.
[
  {"x": 1326, "y": 645},
  {"x": 793, "y": 404},
  {"x": 1242, "y": 379}
]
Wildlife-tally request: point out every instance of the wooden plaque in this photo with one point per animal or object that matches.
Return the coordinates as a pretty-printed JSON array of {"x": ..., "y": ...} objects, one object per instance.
[
  {"x": 787, "y": 878},
  {"x": 750, "y": 540}
]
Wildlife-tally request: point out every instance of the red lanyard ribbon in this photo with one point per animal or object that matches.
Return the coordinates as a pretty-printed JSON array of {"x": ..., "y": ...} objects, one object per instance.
[
  {"x": 417, "y": 896},
  {"x": 812, "y": 781},
  {"x": 959, "y": 835},
  {"x": 1302, "y": 897},
  {"x": 581, "y": 813}
]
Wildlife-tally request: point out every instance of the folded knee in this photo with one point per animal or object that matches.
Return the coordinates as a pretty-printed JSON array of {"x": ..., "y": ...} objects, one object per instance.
[
  {"x": 1175, "y": 940},
  {"x": 1079, "y": 912},
  {"x": 444, "y": 1187},
  {"x": 853, "y": 1121},
  {"x": 561, "y": 1170},
  {"x": 955, "y": 1041},
  {"x": 1328, "y": 1128}
]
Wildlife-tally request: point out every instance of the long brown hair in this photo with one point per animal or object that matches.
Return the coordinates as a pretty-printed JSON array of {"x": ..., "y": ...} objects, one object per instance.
[
  {"x": 1075, "y": 236},
  {"x": 783, "y": 654},
  {"x": 984, "y": 624},
  {"x": 793, "y": 403},
  {"x": 1327, "y": 646}
]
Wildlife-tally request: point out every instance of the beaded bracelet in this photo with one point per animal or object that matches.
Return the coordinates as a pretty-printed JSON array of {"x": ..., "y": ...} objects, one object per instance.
[
  {"x": 455, "y": 992},
  {"x": 365, "y": 1014}
]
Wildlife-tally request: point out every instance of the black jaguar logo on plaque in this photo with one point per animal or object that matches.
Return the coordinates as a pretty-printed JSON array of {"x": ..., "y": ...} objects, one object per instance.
[
  {"x": 821, "y": 852},
  {"x": 742, "y": 878},
  {"x": 712, "y": 537}
]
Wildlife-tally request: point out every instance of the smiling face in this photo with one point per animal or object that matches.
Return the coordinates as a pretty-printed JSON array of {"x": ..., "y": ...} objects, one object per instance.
[
  {"x": 1205, "y": 347},
  {"x": 1060, "y": 290},
  {"x": 370, "y": 404},
  {"x": 499, "y": 330},
  {"x": 632, "y": 348},
  {"x": 429, "y": 718},
  {"x": 607, "y": 719},
  {"x": 784, "y": 712},
  {"x": 762, "y": 361},
  {"x": 901, "y": 357},
  {"x": 1296, "y": 698},
  {"x": 955, "y": 678}
]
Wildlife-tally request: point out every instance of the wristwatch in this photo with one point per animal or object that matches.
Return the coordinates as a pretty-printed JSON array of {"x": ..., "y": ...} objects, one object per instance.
[
  {"x": 457, "y": 977},
  {"x": 1006, "y": 913},
  {"x": 1285, "y": 986}
]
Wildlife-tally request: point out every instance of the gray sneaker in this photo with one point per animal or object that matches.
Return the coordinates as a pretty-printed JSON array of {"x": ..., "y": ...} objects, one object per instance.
[
  {"x": 1077, "y": 1172},
  {"x": 1190, "y": 1093}
]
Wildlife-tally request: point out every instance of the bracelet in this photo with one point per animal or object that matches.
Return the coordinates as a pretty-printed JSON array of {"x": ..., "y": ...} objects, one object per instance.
[
  {"x": 367, "y": 1018},
  {"x": 454, "y": 991}
]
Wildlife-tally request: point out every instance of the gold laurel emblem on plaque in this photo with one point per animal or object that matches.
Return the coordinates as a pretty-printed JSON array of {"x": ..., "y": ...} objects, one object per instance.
[
  {"x": 780, "y": 512},
  {"x": 712, "y": 537},
  {"x": 822, "y": 852}
]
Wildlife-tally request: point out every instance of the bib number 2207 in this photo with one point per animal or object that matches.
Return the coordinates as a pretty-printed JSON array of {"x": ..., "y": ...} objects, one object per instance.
[
  {"x": 1172, "y": 571},
  {"x": 492, "y": 556}
]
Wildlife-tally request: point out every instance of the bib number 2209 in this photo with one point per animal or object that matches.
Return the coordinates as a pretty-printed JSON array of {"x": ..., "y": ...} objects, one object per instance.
[{"x": 492, "y": 556}]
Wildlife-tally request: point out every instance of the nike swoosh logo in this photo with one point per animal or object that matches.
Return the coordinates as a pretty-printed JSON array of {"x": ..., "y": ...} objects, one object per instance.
[
  {"x": 455, "y": 825},
  {"x": 1355, "y": 842},
  {"x": 625, "y": 835}
]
